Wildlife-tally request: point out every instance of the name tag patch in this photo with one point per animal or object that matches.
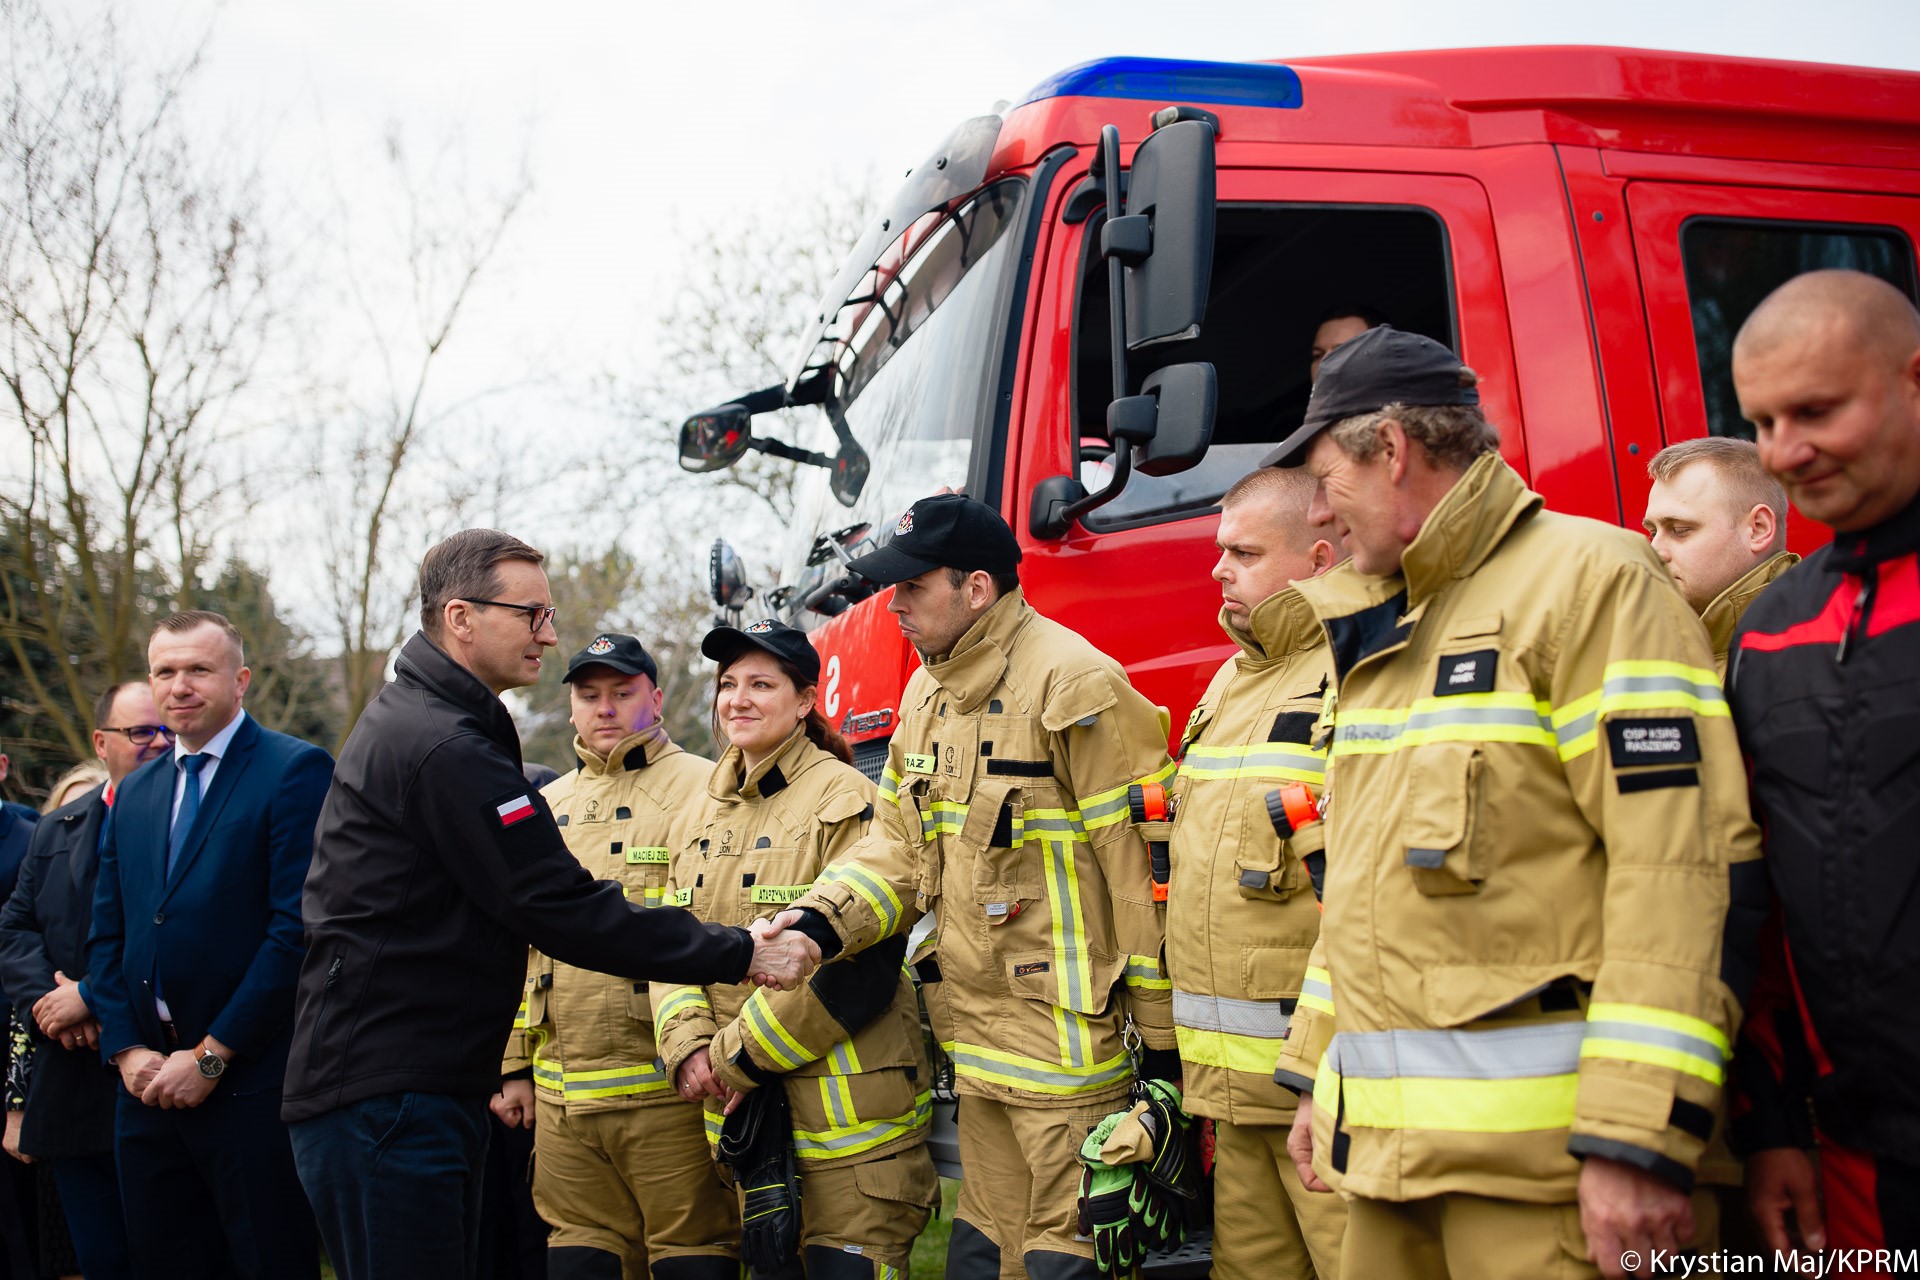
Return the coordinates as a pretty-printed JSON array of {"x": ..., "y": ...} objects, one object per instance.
[
  {"x": 646, "y": 855},
  {"x": 1637, "y": 742},
  {"x": 1466, "y": 673},
  {"x": 780, "y": 893},
  {"x": 682, "y": 898},
  {"x": 920, "y": 764}
]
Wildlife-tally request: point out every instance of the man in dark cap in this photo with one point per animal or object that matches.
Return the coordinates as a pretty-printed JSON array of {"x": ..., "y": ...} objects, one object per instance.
[
  {"x": 1537, "y": 839},
  {"x": 1005, "y": 814},
  {"x": 620, "y": 1166}
]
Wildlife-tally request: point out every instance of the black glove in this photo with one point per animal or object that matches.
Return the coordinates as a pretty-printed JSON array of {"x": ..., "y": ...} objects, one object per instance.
[
  {"x": 1171, "y": 1177},
  {"x": 756, "y": 1142}
]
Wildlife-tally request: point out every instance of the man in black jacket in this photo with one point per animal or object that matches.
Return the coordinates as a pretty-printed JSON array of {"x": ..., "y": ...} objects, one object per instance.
[
  {"x": 435, "y": 865},
  {"x": 43, "y": 967},
  {"x": 1824, "y": 682}
]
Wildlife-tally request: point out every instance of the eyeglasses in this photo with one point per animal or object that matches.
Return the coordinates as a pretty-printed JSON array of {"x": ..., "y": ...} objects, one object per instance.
[
  {"x": 139, "y": 734},
  {"x": 538, "y": 615}
]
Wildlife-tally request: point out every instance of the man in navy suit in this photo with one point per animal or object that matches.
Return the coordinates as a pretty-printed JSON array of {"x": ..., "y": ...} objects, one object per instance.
[{"x": 195, "y": 950}]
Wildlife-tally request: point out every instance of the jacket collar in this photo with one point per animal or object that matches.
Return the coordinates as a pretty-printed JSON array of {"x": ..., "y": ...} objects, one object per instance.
[
  {"x": 635, "y": 751},
  {"x": 425, "y": 665},
  {"x": 979, "y": 658},
  {"x": 1459, "y": 534},
  {"x": 1278, "y": 627},
  {"x": 768, "y": 778},
  {"x": 1723, "y": 615},
  {"x": 1897, "y": 535}
]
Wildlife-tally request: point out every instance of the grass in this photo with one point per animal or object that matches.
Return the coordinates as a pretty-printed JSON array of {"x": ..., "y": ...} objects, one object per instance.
[{"x": 930, "y": 1250}]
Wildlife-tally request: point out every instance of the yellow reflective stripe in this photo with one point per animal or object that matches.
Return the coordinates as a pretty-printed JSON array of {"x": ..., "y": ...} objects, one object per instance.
[
  {"x": 775, "y": 1040},
  {"x": 602, "y": 1082},
  {"x": 943, "y": 817},
  {"x": 1316, "y": 991},
  {"x": 889, "y": 785},
  {"x": 1073, "y": 969},
  {"x": 1659, "y": 1037},
  {"x": 1034, "y": 1076},
  {"x": 1105, "y": 808},
  {"x": 714, "y": 1120},
  {"x": 877, "y": 893},
  {"x": 684, "y": 1000},
  {"x": 1229, "y": 1051},
  {"x": 1280, "y": 761},
  {"x": 1145, "y": 972},
  {"x": 838, "y": 1142},
  {"x": 1636, "y": 686},
  {"x": 1521, "y": 1105},
  {"x": 520, "y": 1017},
  {"x": 1516, "y": 717}
]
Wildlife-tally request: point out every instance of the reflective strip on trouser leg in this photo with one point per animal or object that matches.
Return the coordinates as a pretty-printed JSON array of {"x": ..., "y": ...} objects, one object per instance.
[
  {"x": 1236, "y": 1035},
  {"x": 1513, "y": 1080}
]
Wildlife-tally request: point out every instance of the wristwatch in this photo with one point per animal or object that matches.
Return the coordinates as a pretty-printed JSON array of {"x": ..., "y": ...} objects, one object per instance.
[{"x": 210, "y": 1063}]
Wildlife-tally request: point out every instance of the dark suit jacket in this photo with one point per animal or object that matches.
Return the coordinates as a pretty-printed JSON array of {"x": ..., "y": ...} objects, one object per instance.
[
  {"x": 222, "y": 934},
  {"x": 43, "y": 927}
]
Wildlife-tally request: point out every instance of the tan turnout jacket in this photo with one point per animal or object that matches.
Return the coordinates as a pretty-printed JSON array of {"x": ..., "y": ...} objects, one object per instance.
[
  {"x": 1535, "y": 798},
  {"x": 1242, "y": 916},
  {"x": 1003, "y": 812},
  {"x": 589, "y": 1036},
  {"x": 765, "y": 841}
]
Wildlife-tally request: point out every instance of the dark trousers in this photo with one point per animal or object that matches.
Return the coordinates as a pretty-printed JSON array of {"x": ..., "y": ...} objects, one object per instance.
[
  {"x": 90, "y": 1196},
  {"x": 211, "y": 1191},
  {"x": 396, "y": 1181}
]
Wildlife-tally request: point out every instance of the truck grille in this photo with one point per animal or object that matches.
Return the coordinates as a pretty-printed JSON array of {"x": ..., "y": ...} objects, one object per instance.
[{"x": 871, "y": 757}]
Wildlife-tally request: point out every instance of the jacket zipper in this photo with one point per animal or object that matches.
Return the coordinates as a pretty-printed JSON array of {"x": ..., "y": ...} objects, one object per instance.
[
  {"x": 1857, "y": 623},
  {"x": 326, "y": 998}
]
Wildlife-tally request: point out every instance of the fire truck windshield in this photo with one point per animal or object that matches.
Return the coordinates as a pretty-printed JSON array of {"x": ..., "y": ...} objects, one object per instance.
[{"x": 916, "y": 382}]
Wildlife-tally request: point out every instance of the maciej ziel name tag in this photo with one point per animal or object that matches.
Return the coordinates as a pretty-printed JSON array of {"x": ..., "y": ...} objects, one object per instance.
[{"x": 1637, "y": 742}]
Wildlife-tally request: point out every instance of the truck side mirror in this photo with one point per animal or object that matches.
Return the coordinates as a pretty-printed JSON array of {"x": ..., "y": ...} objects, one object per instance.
[
  {"x": 727, "y": 577},
  {"x": 1171, "y": 188},
  {"x": 1185, "y": 396},
  {"x": 716, "y": 439}
]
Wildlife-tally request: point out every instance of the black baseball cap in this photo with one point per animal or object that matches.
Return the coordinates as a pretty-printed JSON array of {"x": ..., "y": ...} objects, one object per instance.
[
  {"x": 1382, "y": 366},
  {"x": 946, "y": 531},
  {"x": 616, "y": 652},
  {"x": 789, "y": 644}
]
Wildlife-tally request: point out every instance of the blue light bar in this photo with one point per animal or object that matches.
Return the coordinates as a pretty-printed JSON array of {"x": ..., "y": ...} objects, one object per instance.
[{"x": 1239, "y": 84}]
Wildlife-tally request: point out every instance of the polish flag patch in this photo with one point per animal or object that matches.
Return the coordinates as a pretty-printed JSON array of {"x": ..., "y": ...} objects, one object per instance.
[{"x": 515, "y": 810}]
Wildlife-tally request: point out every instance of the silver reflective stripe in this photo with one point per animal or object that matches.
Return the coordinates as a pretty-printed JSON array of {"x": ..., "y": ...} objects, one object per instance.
[
  {"x": 1578, "y": 727},
  {"x": 1663, "y": 684},
  {"x": 643, "y": 1075},
  {"x": 1315, "y": 987},
  {"x": 1062, "y": 826},
  {"x": 1264, "y": 1019},
  {"x": 1639, "y": 1033},
  {"x": 1428, "y": 859},
  {"x": 1512, "y": 1053},
  {"x": 1076, "y": 1079}
]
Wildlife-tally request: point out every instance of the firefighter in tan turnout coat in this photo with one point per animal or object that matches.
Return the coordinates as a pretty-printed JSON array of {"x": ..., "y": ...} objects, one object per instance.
[
  {"x": 783, "y": 809},
  {"x": 1004, "y": 813},
  {"x": 1536, "y": 805},
  {"x": 1244, "y": 909},
  {"x": 621, "y": 1170}
]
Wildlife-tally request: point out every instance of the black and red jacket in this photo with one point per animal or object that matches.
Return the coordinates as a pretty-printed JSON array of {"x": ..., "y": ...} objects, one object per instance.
[{"x": 1824, "y": 682}]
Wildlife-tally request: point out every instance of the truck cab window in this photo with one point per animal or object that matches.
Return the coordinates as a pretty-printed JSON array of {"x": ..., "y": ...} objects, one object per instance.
[
  {"x": 1277, "y": 271},
  {"x": 1732, "y": 264}
]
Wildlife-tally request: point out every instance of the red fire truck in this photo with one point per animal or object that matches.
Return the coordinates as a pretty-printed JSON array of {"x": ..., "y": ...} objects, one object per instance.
[{"x": 1587, "y": 227}]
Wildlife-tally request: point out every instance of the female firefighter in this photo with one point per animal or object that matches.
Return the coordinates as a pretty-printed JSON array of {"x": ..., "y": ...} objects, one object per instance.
[{"x": 832, "y": 1164}]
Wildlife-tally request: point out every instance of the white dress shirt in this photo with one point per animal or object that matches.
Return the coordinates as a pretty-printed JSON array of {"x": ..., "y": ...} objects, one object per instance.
[{"x": 216, "y": 747}]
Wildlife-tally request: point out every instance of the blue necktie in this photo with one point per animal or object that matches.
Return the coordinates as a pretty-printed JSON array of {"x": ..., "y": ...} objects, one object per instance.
[{"x": 189, "y": 808}]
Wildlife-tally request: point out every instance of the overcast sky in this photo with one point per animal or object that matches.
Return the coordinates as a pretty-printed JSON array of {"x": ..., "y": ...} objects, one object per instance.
[{"x": 644, "y": 120}]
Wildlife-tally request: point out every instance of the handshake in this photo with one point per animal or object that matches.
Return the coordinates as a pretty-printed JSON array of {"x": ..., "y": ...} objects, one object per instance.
[{"x": 782, "y": 955}]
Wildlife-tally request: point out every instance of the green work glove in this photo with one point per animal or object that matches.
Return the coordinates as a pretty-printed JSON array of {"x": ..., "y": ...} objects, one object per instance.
[{"x": 1106, "y": 1215}]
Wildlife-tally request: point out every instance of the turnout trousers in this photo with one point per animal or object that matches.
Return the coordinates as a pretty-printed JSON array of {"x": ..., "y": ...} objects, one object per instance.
[
  {"x": 636, "y": 1182},
  {"x": 1018, "y": 1214},
  {"x": 860, "y": 1220},
  {"x": 1266, "y": 1224},
  {"x": 1467, "y": 1237}
]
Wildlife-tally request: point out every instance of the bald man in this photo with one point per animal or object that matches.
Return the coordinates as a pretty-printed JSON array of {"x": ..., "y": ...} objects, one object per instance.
[{"x": 1824, "y": 684}]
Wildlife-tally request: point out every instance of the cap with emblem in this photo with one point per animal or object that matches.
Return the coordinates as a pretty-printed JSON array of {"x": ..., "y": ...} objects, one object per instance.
[
  {"x": 947, "y": 531},
  {"x": 616, "y": 652},
  {"x": 789, "y": 644},
  {"x": 1382, "y": 366}
]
